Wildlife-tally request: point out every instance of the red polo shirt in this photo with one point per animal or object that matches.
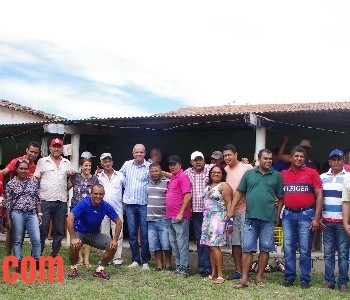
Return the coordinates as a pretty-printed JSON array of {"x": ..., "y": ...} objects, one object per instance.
[
  {"x": 12, "y": 165},
  {"x": 299, "y": 187},
  {"x": 1, "y": 184}
]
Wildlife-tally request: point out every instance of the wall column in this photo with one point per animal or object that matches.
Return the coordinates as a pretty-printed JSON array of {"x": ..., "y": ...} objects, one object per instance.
[{"x": 260, "y": 140}]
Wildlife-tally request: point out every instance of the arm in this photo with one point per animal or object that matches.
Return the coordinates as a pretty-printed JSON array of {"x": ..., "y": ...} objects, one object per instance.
[
  {"x": 118, "y": 228},
  {"x": 346, "y": 216},
  {"x": 186, "y": 202},
  {"x": 281, "y": 152},
  {"x": 316, "y": 221},
  {"x": 69, "y": 184},
  {"x": 38, "y": 211},
  {"x": 5, "y": 171},
  {"x": 167, "y": 174},
  {"x": 236, "y": 197},
  {"x": 70, "y": 226}
]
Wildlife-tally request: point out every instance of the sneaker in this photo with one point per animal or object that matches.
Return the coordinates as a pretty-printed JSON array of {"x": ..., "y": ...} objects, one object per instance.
[
  {"x": 134, "y": 264},
  {"x": 183, "y": 274},
  {"x": 328, "y": 286},
  {"x": 235, "y": 275},
  {"x": 204, "y": 274},
  {"x": 73, "y": 272},
  {"x": 102, "y": 274},
  {"x": 145, "y": 266},
  {"x": 117, "y": 262},
  {"x": 343, "y": 288},
  {"x": 304, "y": 285},
  {"x": 287, "y": 283}
]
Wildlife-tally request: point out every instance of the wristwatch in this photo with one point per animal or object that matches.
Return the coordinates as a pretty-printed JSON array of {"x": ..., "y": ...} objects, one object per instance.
[{"x": 40, "y": 214}]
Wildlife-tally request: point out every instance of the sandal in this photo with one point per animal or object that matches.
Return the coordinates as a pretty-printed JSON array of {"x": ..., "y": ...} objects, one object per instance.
[
  {"x": 80, "y": 264},
  {"x": 219, "y": 280},
  {"x": 240, "y": 285},
  {"x": 208, "y": 278},
  {"x": 260, "y": 283},
  {"x": 87, "y": 265}
]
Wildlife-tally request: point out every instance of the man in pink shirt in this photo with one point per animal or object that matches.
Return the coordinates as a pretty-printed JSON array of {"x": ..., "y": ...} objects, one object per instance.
[
  {"x": 235, "y": 171},
  {"x": 178, "y": 211}
]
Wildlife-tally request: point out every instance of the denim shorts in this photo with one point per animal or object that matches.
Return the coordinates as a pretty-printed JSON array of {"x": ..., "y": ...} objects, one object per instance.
[
  {"x": 96, "y": 240},
  {"x": 158, "y": 235},
  {"x": 255, "y": 229}
]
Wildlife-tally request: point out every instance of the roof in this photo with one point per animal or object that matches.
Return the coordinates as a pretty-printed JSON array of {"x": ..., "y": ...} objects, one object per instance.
[
  {"x": 259, "y": 108},
  {"x": 27, "y": 110}
]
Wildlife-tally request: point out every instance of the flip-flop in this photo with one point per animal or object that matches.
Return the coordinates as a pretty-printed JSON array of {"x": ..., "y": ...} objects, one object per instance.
[
  {"x": 260, "y": 283},
  {"x": 219, "y": 280},
  {"x": 80, "y": 264},
  {"x": 240, "y": 285},
  {"x": 208, "y": 278},
  {"x": 88, "y": 265}
]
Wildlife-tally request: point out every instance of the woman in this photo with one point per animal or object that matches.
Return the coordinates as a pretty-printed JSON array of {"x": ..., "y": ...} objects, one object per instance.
[
  {"x": 217, "y": 197},
  {"x": 23, "y": 210},
  {"x": 82, "y": 184}
]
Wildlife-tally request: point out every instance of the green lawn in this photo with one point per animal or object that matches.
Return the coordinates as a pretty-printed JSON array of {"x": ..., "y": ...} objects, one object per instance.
[{"x": 137, "y": 284}]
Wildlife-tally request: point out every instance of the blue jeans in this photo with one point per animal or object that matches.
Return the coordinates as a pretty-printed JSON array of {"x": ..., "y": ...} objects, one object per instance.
[
  {"x": 255, "y": 230},
  {"x": 136, "y": 216},
  {"x": 336, "y": 239},
  {"x": 158, "y": 235},
  {"x": 202, "y": 250},
  {"x": 179, "y": 241},
  {"x": 296, "y": 231},
  {"x": 22, "y": 220}
]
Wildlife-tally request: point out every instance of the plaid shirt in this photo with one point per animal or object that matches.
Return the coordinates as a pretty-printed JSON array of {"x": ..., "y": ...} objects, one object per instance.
[{"x": 199, "y": 182}]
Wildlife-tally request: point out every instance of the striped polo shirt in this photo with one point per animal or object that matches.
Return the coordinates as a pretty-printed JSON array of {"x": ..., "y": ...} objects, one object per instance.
[
  {"x": 156, "y": 199},
  {"x": 332, "y": 193},
  {"x": 136, "y": 181}
]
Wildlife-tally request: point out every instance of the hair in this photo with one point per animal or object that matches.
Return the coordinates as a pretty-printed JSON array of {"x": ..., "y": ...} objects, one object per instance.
[
  {"x": 346, "y": 155},
  {"x": 297, "y": 149},
  {"x": 268, "y": 151},
  {"x": 84, "y": 159},
  {"x": 224, "y": 174},
  {"x": 97, "y": 185},
  {"x": 230, "y": 147},
  {"x": 33, "y": 144},
  {"x": 155, "y": 164}
]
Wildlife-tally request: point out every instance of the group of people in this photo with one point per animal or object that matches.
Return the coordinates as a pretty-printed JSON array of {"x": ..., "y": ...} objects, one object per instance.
[{"x": 228, "y": 202}]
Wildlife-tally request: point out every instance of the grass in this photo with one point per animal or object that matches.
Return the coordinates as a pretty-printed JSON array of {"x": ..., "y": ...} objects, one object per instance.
[{"x": 138, "y": 284}]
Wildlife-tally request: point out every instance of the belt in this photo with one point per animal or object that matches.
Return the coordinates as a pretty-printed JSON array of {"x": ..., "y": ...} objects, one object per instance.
[{"x": 298, "y": 210}]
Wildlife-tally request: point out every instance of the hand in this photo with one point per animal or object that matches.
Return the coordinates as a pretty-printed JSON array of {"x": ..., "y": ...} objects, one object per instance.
[
  {"x": 347, "y": 229},
  {"x": 315, "y": 224},
  {"x": 72, "y": 172},
  {"x": 98, "y": 171},
  {"x": 76, "y": 243},
  {"x": 276, "y": 202},
  {"x": 113, "y": 245},
  {"x": 179, "y": 218},
  {"x": 286, "y": 139},
  {"x": 40, "y": 218},
  {"x": 245, "y": 160},
  {"x": 8, "y": 224}
]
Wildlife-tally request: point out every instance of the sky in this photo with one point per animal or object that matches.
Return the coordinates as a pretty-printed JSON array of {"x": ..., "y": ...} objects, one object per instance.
[{"x": 80, "y": 59}]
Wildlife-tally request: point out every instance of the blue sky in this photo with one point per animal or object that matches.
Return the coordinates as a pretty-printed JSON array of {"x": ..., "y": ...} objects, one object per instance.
[{"x": 135, "y": 58}]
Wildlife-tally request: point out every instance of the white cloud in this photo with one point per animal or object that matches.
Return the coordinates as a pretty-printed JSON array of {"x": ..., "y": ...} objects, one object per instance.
[{"x": 195, "y": 52}]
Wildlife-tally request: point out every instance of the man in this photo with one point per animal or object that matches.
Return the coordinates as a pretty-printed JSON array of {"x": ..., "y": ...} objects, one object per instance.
[
  {"x": 155, "y": 156},
  {"x": 112, "y": 182},
  {"x": 335, "y": 238},
  {"x": 83, "y": 225},
  {"x": 262, "y": 186},
  {"x": 235, "y": 171},
  {"x": 32, "y": 153},
  {"x": 158, "y": 225},
  {"x": 136, "y": 173},
  {"x": 178, "y": 210},
  {"x": 198, "y": 175},
  {"x": 303, "y": 200},
  {"x": 217, "y": 158},
  {"x": 53, "y": 172}
]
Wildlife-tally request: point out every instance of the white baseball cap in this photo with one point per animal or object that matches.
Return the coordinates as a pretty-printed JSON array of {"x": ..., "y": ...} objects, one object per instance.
[
  {"x": 196, "y": 154},
  {"x": 105, "y": 155},
  {"x": 87, "y": 155}
]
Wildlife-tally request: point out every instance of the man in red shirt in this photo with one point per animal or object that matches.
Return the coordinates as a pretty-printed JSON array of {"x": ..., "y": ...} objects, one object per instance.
[
  {"x": 303, "y": 200},
  {"x": 32, "y": 152}
]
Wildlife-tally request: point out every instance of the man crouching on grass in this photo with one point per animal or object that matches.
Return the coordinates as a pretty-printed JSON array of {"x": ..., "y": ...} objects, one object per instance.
[{"x": 84, "y": 224}]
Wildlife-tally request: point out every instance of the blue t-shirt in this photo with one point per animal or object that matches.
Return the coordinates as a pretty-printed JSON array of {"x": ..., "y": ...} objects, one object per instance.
[{"x": 88, "y": 218}]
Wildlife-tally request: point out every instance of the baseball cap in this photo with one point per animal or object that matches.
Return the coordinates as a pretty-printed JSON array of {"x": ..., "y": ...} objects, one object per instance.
[
  {"x": 196, "y": 154},
  {"x": 105, "y": 155},
  {"x": 174, "y": 159},
  {"x": 56, "y": 141},
  {"x": 336, "y": 152},
  {"x": 216, "y": 155},
  {"x": 87, "y": 155}
]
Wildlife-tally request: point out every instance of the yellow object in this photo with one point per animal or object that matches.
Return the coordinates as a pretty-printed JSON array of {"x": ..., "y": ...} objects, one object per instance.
[{"x": 278, "y": 236}]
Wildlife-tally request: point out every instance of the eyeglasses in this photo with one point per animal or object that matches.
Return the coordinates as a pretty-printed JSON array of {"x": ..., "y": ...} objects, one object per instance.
[{"x": 23, "y": 160}]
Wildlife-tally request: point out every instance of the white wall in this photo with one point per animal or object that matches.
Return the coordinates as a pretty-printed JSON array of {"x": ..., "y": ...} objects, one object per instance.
[{"x": 8, "y": 116}]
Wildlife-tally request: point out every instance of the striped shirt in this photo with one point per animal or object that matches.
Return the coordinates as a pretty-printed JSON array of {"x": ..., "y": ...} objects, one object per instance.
[
  {"x": 136, "y": 181},
  {"x": 156, "y": 199},
  {"x": 199, "y": 181},
  {"x": 332, "y": 192}
]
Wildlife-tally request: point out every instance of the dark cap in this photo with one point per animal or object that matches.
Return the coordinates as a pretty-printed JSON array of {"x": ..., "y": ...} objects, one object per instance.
[
  {"x": 174, "y": 159},
  {"x": 336, "y": 152}
]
